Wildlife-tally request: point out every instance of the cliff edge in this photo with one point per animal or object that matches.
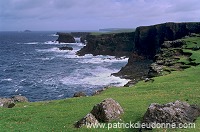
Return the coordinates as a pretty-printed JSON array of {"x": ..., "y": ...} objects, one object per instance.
[{"x": 116, "y": 44}]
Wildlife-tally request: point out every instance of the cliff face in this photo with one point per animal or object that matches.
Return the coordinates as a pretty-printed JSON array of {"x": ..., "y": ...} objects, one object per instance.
[
  {"x": 65, "y": 38},
  {"x": 148, "y": 39},
  {"x": 117, "y": 44}
]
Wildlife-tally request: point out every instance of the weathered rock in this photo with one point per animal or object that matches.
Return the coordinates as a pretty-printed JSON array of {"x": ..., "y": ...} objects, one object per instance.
[
  {"x": 97, "y": 92},
  {"x": 87, "y": 120},
  {"x": 65, "y": 48},
  {"x": 6, "y": 102},
  {"x": 176, "y": 112},
  {"x": 79, "y": 34},
  {"x": 173, "y": 44},
  {"x": 108, "y": 110},
  {"x": 65, "y": 38},
  {"x": 135, "y": 71},
  {"x": 117, "y": 44},
  {"x": 79, "y": 94},
  {"x": 18, "y": 98},
  {"x": 149, "y": 39},
  {"x": 155, "y": 70}
]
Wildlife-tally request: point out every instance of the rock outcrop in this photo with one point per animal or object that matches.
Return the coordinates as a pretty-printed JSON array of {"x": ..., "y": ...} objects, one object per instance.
[
  {"x": 89, "y": 119},
  {"x": 176, "y": 112},
  {"x": 65, "y": 38},
  {"x": 106, "y": 111},
  {"x": 10, "y": 102},
  {"x": 79, "y": 94},
  {"x": 18, "y": 98},
  {"x": 7, "y": 102},
  {"x": 117, "y": 44}
]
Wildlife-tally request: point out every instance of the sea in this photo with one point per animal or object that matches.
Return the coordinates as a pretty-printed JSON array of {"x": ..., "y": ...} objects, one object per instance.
[{"x": 32, "y": 65}]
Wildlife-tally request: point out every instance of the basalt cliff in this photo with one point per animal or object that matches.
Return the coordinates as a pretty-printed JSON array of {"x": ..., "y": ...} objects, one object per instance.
[
  {"x": 140, "y": 46},
  {"x": 116, "y": 44},
  {"x": 148, "y": 41}
]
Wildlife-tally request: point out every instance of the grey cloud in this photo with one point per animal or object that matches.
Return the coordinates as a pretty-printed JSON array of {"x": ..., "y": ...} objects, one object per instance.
[{"x": 90, "y": 14}]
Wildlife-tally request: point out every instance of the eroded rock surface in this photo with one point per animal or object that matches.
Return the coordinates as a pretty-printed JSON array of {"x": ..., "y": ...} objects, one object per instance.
[
  {"x": 108, "y": 110},
  {"x": 174, "y": 112}
]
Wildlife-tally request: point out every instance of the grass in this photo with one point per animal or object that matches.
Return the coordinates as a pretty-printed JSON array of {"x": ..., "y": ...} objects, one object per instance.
[
  {"x": 114, "y": 31},
  {"x": 60, "y": 115}
]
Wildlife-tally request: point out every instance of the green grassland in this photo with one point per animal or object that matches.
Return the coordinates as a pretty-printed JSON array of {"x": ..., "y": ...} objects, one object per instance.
[
  {"x": 60, "y": 115},
  {"x": 114, "y": 31}
]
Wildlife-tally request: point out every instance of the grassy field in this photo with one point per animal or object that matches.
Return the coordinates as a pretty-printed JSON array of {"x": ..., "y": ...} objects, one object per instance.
[
  {"x": 114, "y": 31},
  {"x": 60, "y": 115}
]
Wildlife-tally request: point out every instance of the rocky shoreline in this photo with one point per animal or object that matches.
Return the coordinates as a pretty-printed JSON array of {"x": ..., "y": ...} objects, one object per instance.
[{"x": 140, "y": 46}]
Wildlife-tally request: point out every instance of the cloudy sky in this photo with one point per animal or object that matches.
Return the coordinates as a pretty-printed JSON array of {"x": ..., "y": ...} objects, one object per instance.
[{"x": 93, "y": 14}]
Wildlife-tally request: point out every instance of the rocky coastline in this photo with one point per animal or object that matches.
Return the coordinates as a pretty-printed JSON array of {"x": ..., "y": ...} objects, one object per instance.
[
  {"x": 140, "y": 46},
  {"x": 154, "y": 51},
  {"x": 115, "y": 44}
]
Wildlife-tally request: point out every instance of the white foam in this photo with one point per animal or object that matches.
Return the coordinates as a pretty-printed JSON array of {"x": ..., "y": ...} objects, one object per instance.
[
  {"x": 54, "y": 42},
  {"x": 51, "y": 42},
  {"x": 98, "y": 77},
  {"x": 45, "y": 58},
  {"x": 54, "y": 49},
  {"x": 77, "y": 44},
  {"x": 104, "y": 59},
  {"x": 32, "y": 43},
  {"x": 54, "y": 35},
  {"x": 60, "y": 95},
  {"x": 6, "y": 79}
]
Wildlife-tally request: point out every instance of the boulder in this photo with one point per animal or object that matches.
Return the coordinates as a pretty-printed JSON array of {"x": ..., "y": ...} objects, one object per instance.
[
  {"x": 79, "y": 94},
  {"x": 6, "y": 102},
  {"x": 65, "y": 48},
  {"x": 108, "y": 110},
  {"x": 18, "y": 98},
  {"x": 89, "y": 119},
  {"x": 176, "y": 112}
]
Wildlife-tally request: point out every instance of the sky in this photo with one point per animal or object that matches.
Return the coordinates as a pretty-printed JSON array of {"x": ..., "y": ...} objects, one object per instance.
[{"x": 60, "y": 15}]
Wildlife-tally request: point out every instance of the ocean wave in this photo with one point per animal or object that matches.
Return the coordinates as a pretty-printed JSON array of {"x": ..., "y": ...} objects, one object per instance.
[
  {"x": 32, "y": 43},
  {"x": 51, "y": 42},
  {"x": 77, "y": 44},
  {"x": 98, "y": 77},
  {"x": 54, "y": 49},
  {"x": 56, "y": 42},
  {"x": 6, "y": 79},
  {"x": 54, "y": 35},
  {"x": 89, "y": 58},
  {"x": 45, "y": 58},
  {"x": 104, "y": 59}
]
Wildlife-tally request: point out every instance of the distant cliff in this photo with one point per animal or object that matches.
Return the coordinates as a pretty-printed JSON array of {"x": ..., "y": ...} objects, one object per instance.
[
  {"x": 65, "y": 38},
  {"x": 117, "y": 44}
]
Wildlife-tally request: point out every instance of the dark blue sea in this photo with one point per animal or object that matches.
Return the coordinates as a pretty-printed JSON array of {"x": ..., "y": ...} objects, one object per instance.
[{"x": 31, "y": 65}]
